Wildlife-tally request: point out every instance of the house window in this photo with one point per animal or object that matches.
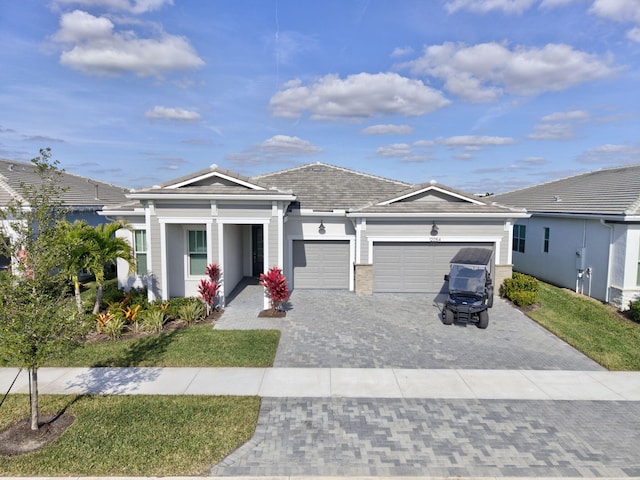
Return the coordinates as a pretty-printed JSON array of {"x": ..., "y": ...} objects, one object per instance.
[
  {"x": 519, "y": 234},
  {"x": 140, "y": 251},
  {"x": 545, "y": 245},
  {"x": 197, "y": 252}
]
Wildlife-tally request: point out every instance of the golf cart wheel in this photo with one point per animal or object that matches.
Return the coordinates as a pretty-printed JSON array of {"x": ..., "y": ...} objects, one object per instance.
[
  {"x": 490, "y": 299},
  {"x": 448, "y": 317},
  {"x": 484, "y": 319}
]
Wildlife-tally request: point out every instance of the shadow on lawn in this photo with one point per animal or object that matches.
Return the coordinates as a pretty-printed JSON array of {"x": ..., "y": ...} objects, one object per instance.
[{"x": 146, "y": 349}]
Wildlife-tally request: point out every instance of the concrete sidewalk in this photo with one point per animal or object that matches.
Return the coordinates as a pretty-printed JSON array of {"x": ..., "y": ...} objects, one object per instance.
[{"x": 335, "y": 383}]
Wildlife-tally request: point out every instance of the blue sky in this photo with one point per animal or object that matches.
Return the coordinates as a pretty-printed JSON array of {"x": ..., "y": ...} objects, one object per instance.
[{"x": 481, "y": 95}]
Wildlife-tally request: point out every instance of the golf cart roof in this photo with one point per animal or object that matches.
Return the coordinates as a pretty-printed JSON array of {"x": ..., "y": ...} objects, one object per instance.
[{"x": 473, "y": 256}]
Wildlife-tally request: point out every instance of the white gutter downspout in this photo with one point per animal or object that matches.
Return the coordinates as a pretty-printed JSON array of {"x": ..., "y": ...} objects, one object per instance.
[{"x": 608, "y": 284}]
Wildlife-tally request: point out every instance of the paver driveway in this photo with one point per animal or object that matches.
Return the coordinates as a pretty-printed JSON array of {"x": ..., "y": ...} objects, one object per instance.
[
  {"x": 427, "y": 437},
  {"x": 343, "y": 330}
]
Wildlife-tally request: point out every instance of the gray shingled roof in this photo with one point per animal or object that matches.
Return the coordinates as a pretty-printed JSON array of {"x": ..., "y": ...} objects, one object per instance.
[
  {"x": 451, "y": 201},
  {"x": 81, "y": 191},
  {"x": 611, "y": 191},
  {"x": 320, "y": 186}
]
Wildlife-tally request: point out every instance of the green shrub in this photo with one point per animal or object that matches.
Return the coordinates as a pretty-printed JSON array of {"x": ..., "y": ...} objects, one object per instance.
[
  {"x": 175, "y": 304},
  {"x": 634, "y": 310},
  {"x": 153, "y": 319},
  {"x": 192, "y": 311},
  {"x": 114, "y": 326},
  {"x": 521, "y": 289}
]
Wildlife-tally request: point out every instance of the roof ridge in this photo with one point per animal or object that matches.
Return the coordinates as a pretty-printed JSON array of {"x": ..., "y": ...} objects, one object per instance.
[
  {"x": 14, "y": 193},
  {"x": 344, "y": 169}
]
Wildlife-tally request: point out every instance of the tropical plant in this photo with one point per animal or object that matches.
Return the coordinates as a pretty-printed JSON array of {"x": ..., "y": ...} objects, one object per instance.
[
  {"x": 192, "y": 311},
  {"x": 209, "y": 286},
  {"x": 153, "y": 319},
  {"x": 73, "y": 236},
  {"x": 277, "y": 288},
  {"x": 34, "y": 323},
  {"x": 114, "y": 327},
  {"x": 104, "y": 248}
]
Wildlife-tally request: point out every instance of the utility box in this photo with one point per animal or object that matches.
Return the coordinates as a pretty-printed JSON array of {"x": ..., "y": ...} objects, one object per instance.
[{"x": 581, "y": 258}]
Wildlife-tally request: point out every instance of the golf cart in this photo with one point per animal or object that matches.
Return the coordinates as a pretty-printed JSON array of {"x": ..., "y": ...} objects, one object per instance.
[{"x": 470, "y": 287}]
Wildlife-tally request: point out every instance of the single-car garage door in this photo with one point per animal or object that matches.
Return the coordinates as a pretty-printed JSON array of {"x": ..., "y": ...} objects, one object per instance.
[
  {"x": 321, "y": 264},
  {"x": 414, "y": 267}
]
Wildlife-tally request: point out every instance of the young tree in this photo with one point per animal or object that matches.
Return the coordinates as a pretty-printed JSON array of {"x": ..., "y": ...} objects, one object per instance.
[
  {"x": 34, "y": 323},
  {"x": 103, "y": 248}
]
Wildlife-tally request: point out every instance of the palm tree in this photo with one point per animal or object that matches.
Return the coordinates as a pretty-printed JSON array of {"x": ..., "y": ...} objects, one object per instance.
[
  {"x": 104, "y": 248},
  {"x": 74, "y": 237}
]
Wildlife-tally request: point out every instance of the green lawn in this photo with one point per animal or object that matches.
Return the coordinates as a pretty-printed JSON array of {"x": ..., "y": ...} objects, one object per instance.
[
  {"x": 597, "y": 330},
  {"x": 134, "y": 435},
  {"x": 194, "y": 346}
]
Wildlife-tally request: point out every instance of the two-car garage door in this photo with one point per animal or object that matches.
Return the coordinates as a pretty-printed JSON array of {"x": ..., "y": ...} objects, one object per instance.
[{"x": 414, "y": 267}]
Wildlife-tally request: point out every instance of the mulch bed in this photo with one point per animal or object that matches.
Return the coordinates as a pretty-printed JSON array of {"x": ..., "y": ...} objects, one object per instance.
[
  {"x": 170, "y": 326},
  {"x": 269, "y": 313},
  {"x": 18, "y": 438}
]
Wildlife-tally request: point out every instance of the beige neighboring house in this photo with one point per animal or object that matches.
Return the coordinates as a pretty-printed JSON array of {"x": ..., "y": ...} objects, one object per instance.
[
  {"x": 325, "y": 226},
  {"x": 84, "y": 197},
  {"x": 583, "y": 233}
]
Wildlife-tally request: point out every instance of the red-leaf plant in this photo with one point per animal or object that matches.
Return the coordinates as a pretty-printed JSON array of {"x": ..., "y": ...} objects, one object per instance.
[
  {"x": 276, "y": 285},
  {"x": 209, "y": 286}
]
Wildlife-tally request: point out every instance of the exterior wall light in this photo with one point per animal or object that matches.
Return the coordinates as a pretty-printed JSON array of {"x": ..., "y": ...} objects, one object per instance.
[
  {"x": 434, "y": 229},
  {"x": 322, "y": 229}
]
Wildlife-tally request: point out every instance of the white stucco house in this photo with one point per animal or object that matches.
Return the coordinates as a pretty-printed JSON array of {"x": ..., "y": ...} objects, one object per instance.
[
  {"x": 583, "y": 233},
  {"x": 326, "y": 227}
]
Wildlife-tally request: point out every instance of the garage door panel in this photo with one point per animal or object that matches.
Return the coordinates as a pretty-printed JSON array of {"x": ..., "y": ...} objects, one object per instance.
[
  {"x": 321, "y": 264},
  {"x": 413, "y": 267}
]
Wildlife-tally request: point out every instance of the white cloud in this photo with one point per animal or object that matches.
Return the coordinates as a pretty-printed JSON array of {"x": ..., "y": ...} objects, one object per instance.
[
  {"x": 572, "y": 115},
  {"x": 135, "y": 6},
  {"x": 634, "y": 34},
  {"x": 559, "y": 125},
  {"x": 396, "y": 150},
  {"x": 485, "y": 72},
  {"x": 610, "y": 154},
  {"x": 284, "y": 145},
  {"x": 167, "y": 113},
  {"x": 484, "y": 6},
  {"x": 424, "y": 143},
  {"x": 533, "y": 161},
  {"x": 553, "y": 131},
  {"x": 475, "y": 142},
  {"x": 277, "y": 149},
  {"x": 387, "y": 130},
  {"x": 401, "y": 51},
  {"x": 95, "y": 48},
  {"x": 622, "y": 11},
  {"x": 463, "y": 156},
  {"x": 549, "y": 4},
  {"x": 358, "y": 96}
]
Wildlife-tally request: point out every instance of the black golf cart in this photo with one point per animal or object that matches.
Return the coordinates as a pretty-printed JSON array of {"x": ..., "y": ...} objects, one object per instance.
[{"x": 470, "y": 287}]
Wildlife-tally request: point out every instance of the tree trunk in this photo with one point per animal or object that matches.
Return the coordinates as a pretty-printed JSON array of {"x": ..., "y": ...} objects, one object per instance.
[
  {"x": 35, "y": 418},
  {"x": 96, "y": 307},
  {"x": 76, "y": 285}
]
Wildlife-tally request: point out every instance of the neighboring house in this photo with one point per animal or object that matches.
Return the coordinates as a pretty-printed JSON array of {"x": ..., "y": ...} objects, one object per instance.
[
  {"x": 327, "y": 227},
  {"x": 583, "y": 233},
  {"x": 84, "y": 197}
]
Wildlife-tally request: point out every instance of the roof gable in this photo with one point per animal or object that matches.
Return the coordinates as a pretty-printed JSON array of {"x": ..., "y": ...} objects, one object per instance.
[
  {"x": 213, "y": 177},
  {"x": 432, "y": 192}
]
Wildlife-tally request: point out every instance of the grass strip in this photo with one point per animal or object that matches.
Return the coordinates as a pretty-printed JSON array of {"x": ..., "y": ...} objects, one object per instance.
[
  {"x": 597, "y": 330},
  {"x": 134, "y": 435},
  {"x": 194, "y": 346}
]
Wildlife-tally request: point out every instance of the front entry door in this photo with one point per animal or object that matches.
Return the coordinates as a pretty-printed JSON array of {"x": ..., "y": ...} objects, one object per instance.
[{"x": 257, "y": 249}]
